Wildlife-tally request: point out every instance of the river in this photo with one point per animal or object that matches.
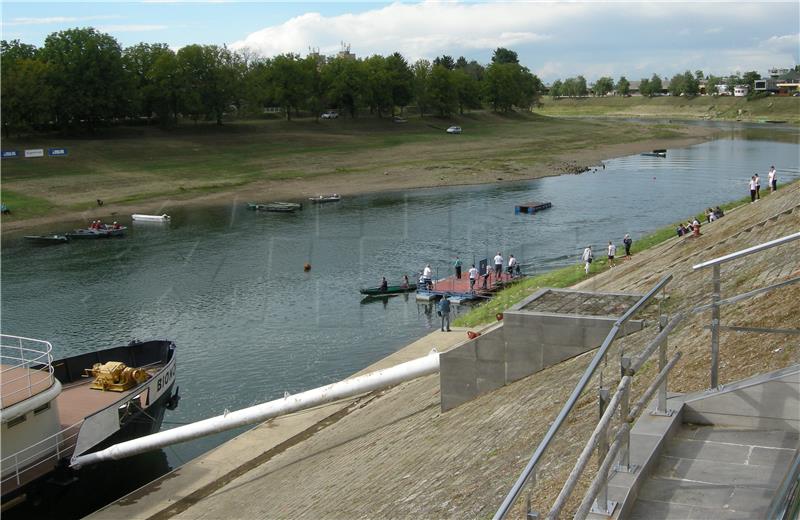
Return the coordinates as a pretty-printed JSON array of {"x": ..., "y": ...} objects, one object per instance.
[{"x": 228, "y": 286}]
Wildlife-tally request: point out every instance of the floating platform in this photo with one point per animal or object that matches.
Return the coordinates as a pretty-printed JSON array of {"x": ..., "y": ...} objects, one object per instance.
[{"x": 530, "y": 208}]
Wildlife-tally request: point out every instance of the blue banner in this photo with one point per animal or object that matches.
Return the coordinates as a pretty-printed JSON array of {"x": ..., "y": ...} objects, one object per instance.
[
  {"x": 10, "y": 154},
  {"x": 56, "y": 152}
]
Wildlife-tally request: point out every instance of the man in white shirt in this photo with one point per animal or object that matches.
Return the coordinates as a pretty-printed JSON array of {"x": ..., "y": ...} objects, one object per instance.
[
  {"x": 473, "y": 275},
  {"x": 512, "y": 263},
  {"x": 772, "y": 177},
  {"x": 498, "y": 265},
  {"x": 752, "y": 189},
  {"x": 587, "y": 257},
  {"x": 426, "y": 276},
  {"x": 612, "y": 251}
]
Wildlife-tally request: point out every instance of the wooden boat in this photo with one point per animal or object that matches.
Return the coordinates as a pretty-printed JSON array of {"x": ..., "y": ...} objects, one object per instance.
[
  {"x": 278, "y": 207},
  {"x": 150, "y": 218},
  {"x": 47, "y": 240},
  {"x": 104, "y": 232},
  {"x": 325, "y": 198},
  {"x": 51, "y": 411},
  {"x": 661, "y": 152},
  {"x": 392, "y": 289}
]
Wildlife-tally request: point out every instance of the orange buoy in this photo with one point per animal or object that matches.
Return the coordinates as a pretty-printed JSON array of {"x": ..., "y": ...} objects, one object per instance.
[
  {"x": 499, "y": 316},
  {"x": 306, "y": 267},
  {"x": 473, "y": 335}
]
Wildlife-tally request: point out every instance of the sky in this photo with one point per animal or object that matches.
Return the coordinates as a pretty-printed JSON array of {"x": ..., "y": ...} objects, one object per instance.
[{"x": 553, "y": 39}]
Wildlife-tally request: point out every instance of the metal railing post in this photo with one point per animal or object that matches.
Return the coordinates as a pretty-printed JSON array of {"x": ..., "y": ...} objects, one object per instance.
[
  {"x": 624, "y": 462},
  {"x": 715, "y": 296},
  {"x": 529, "y": 513},
  {"x": 661, "y": 402},
  {"x": 601, "y": 503}
]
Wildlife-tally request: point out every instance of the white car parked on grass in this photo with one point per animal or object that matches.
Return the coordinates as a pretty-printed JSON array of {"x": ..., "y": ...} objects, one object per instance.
[
  {"x": 454, "y": 130},
  {"x": 330, "y": 114}
]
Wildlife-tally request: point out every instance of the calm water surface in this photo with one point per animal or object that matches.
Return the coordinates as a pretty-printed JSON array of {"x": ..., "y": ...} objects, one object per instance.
[{"x": 227, "y": 284}]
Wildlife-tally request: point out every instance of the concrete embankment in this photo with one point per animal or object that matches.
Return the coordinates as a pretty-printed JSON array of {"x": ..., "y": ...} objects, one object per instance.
[{"x": 394, "y": 454}]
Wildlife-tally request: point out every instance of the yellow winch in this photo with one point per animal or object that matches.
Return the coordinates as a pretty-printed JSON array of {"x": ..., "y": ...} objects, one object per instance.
[{"x": 115, "y": 376}]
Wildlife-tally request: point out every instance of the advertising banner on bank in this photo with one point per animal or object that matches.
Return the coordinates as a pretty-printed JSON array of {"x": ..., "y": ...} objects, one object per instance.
[
  {"x": 10, "y": 154},
  {"x": 56, "y": 152},
  {"x": 35, "y": 152}
]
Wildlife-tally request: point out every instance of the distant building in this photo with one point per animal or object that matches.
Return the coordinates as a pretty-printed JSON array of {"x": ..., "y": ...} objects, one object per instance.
[
  {"x": 345, "y": 52},
  {"x": 740, "y": 90}
]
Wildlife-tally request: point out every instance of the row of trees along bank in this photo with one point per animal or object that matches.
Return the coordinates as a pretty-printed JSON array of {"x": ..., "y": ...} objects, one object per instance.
[{"x": 82, "y": 77}]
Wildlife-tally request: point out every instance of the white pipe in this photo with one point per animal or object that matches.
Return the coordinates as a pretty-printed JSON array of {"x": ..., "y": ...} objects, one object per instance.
[{"x": 292, "y": 403}]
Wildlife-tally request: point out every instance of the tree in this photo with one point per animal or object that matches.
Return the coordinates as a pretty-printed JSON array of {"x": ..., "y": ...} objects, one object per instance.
[
  {"x": 401, "y": 81},
  {"x": 698, "y": 75},
  {"x": 88, "y": 76},
  {"x": 580, "y": 87},
  {"x": 27, "y": 97},
  {"x": 750, "y": 78},
  {"x": 623, "y": 86},
  {"x": 644, "y": 87},
  {"x": 445, "y": 61},
  {"x": 655, "y": 85},
  {"x": 468, "y": 90},
  {"x": 377, "y": 90},
  {"x": 138, "y": 61},
  {"x": 421, "y": 71},
  {"x": 508, "y": 84},
  {"x": 503, "y": 56},
  {"x": 345, "y": 80},
  {"x": 556, "y": 88},
  {"x": 165, "y": 82},
  {"x": 676, "y": 85},
  {"x": 206, "y": 82},
  {"x": 691, "y": 85},
  {"x": 711, "y": 85},
  {"x": 442, "y": 91},
  {"x": 603, "y": 86}
]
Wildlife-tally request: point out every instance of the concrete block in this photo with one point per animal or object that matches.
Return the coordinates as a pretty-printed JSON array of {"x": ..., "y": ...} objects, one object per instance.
[
  {"x": 553, "y": 354},
  {"x": 707, "y": 450},
  {"x": 491, "y": 375},
  {"x": 491, "y": 346}
]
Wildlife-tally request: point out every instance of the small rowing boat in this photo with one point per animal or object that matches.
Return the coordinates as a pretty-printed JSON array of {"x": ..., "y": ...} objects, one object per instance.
[
  {"x": 277, "y": 207},
  {"x": 392, "y": 289},
  {"x": 47, "y": 240},
  {"x": 325, "y": 198},
  {"x": 150, "y": 218},
  {"x": 103, "y": 232},
  {"x": 661, "y": 152}
]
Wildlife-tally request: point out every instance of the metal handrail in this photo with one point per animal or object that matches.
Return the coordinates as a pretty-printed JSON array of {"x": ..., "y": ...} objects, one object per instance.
[
  {"x": 748, "y": 251},
  {"x": 515, "y": 491},
  {"x": 15, "y": 355}
]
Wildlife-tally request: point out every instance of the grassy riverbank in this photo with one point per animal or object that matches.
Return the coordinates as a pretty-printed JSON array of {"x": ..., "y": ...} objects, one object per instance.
[
  {"x": 774, "y": 108},
  {"x": 570, "y": 275},
  {"x": 140, "y": 169}
]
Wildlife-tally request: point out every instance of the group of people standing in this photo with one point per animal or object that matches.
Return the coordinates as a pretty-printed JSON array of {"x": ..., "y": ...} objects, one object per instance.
[
  {"x": 512, "y": 269},
  {"x": 611, "y": 252},
  {"x": 755, "y": 184}
]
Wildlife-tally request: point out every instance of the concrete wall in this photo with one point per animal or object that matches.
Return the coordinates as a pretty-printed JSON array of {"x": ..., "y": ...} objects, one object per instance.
[
  {"x": 766, "y": 401},
  {"x": 525, "y": 343}
]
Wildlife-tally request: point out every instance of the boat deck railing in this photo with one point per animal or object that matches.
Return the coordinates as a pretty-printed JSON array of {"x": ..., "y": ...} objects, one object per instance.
[
  {"x": 37, "y": 459},
  {"x": 27, "y": 368}
]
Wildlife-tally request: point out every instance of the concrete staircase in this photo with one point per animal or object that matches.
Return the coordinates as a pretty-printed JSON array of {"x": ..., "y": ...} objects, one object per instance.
[{"x": 710, "y": 472}]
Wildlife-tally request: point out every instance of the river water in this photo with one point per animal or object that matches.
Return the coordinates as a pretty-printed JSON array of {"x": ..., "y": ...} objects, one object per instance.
[{"x": 227, "y": 284}]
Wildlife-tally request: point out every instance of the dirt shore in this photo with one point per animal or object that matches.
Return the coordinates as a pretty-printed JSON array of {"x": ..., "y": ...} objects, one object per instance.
[{"x": 390, "y": 179}]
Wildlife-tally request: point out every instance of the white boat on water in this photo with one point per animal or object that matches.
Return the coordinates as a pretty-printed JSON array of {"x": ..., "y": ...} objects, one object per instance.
[{"x": 150, "y": 218}]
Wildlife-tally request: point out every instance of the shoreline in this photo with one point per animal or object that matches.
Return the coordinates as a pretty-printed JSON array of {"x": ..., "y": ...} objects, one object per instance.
[{"x": 390, "y": 180}]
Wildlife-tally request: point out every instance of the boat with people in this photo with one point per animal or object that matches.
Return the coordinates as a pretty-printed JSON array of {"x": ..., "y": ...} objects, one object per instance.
[
  {"x": 390, "y": 289},
  {"x": 47, "y": 240},
  {"x": 150, "y": 218},
  {"x": 660, "y": 152},
  {"x": 325, "y": 198},
  {"x": 276, "y": 207},
  {"x": 54, "y": 410},
  {"x": 97, "y": 232}
]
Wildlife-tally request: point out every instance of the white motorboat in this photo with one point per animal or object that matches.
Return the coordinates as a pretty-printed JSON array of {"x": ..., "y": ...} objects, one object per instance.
[{"x": 150, "y": 218}]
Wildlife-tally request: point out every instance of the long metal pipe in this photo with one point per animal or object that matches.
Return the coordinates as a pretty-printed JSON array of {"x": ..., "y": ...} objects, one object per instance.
[{"x": 292, "y": 403}]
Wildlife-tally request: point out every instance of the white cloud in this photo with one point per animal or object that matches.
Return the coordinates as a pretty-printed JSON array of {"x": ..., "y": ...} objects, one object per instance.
[
  {"x": 419, "y": 30},
  {"x": 50, "y": 20},
  {"x": 131, "y": 28}
]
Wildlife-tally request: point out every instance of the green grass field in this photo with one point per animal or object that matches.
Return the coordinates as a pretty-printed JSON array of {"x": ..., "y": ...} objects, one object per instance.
[{"x": 774, "y": 108}]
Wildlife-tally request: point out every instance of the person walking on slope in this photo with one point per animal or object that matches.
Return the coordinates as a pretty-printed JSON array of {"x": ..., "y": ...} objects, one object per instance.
[
  {"x": 612, "y": 252},
  {"x": 587, "y": 258},
  {"x": 473, "y": 276},
  {"x": 498, "y": 266},
  {"x": 627, "y": 241},
  {"x": 457, "y": 266},
  {"x": 444, "y": 312}
]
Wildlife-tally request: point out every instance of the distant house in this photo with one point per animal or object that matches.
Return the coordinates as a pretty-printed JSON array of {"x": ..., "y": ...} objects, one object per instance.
[{"x": 740, "y": 90}]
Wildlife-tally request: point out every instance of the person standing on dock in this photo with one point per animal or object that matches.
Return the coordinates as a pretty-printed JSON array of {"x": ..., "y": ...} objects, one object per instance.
[
  {"x": 627, "y": 242},
  {"x": 758, "y": 186},
  {"x": 512, "y": 263},
  {"x": 587, "y": 258},
  {"x": 427, "y": 276},
  {"x": 473, "y": 275},
  {"x": 752, "y": 189},
  {"x": 498, "y": 265},
  {"x": 444, "y": 312},
  {"x": 457, "y": 266}
]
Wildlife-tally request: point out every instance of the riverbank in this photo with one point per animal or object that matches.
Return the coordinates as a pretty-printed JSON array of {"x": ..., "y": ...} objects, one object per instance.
[
  {"x": 778, "y": 109},
  {"x": 151, "y": 171},
  {"x": 393, "y": 453}
]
